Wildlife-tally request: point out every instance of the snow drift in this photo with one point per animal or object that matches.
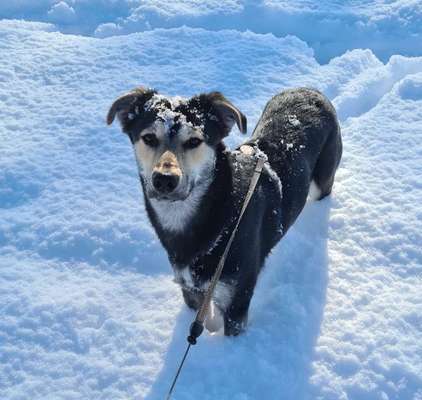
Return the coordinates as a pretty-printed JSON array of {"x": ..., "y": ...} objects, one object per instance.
[{"x": 88, "y": 306}]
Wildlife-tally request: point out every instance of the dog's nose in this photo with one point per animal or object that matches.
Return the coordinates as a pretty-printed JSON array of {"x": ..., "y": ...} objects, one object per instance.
[{"x": 164, "y": 183}]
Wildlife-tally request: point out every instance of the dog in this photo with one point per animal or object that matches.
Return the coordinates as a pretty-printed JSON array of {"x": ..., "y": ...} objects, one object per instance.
[{"x": 194, "y": 187}]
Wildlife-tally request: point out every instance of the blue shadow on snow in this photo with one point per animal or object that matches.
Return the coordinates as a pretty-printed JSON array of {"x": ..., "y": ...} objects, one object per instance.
[{"x": 273, "y": 358}]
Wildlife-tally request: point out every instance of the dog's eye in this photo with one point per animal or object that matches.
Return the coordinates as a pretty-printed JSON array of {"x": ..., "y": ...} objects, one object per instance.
[
  {"x": 150, "y": 140},
  {"x": 192, "y": 143}
]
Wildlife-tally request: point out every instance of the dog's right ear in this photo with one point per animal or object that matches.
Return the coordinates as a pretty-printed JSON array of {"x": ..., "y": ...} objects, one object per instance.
[{"x": 129, "y": 105}]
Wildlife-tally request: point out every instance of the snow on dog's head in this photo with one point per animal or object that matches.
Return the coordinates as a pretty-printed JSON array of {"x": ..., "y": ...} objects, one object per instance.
[{"x": 175, "y": 139}]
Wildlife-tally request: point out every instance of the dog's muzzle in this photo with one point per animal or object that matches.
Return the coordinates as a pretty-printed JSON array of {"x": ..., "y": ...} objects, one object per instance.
[{"x": 165, "y": 184}]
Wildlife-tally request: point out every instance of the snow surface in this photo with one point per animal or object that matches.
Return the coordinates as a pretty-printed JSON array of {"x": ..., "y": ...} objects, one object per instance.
[
  {"x": 330, "y": 27},
  {"x": 88, "y": 307}
]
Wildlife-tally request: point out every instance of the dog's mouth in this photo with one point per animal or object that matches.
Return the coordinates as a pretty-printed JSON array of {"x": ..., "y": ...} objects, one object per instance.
[{"x": 169, "y": 197}]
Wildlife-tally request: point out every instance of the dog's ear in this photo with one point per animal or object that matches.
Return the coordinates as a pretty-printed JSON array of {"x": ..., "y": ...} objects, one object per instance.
[
  {"x": 129, "y": 105},
  {"x": 225, "y": 112}
]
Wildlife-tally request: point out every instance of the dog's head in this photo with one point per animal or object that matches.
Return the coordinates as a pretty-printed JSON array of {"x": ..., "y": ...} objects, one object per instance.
[{"x": 175, "y": 139}]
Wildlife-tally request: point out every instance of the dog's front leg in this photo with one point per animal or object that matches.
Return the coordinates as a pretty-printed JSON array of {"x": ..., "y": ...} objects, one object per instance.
[
  {"x": 193, "y": 299},
  {"x": 236, "y": 314},
  {"x": 241, "y": 270}
]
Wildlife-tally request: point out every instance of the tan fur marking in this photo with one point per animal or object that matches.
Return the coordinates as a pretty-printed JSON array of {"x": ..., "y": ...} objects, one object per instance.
[
  {"x": 168, "y": 164},
  {"x": 145, "y": 157},
  {"x": 196, "y": 159}
]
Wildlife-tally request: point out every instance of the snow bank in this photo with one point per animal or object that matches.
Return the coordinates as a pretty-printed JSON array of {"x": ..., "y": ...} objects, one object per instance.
[
  {"x": 88, "y": 306},
  {"x": 330, "y": 27}
]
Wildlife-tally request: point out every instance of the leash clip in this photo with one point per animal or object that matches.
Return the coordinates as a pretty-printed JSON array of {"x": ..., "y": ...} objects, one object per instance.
[{"x": 196, "y": 330}]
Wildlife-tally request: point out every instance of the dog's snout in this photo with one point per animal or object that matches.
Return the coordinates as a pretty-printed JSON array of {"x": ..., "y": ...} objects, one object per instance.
[{"x": 165, "y": 183}]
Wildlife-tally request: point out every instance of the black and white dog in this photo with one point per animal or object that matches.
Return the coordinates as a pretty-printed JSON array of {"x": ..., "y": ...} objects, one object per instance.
[{"x": 194, "y": 187}]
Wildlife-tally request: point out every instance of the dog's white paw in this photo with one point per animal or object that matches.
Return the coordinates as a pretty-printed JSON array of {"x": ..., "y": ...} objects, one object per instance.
[
  {"x": 314, "y": 192},
  {"x": 214, "y": 321}
]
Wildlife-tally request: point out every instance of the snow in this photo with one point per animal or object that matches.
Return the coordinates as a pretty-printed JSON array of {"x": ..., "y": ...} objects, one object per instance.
[
  {"x": 62, "y": 13},
  {"x": 330, "y": 27},
  {"x": 88, "y": 306}
]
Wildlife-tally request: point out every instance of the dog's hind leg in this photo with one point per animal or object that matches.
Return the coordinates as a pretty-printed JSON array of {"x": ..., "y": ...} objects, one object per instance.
[{"x": 326, "y": 166}]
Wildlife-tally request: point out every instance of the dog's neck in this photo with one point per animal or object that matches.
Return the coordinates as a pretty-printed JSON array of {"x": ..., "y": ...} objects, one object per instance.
[{"x": 187, "y": 228}]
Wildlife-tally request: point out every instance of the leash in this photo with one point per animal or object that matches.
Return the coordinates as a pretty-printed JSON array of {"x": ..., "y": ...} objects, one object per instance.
[{"x": 197, "y": 325}]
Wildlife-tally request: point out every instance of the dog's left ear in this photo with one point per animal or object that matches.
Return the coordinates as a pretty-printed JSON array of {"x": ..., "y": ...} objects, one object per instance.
[{"x": 226, "y": 113}]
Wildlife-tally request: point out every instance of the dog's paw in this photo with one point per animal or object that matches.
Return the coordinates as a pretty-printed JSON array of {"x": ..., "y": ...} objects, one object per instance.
[{"x": 215, "y": 320}]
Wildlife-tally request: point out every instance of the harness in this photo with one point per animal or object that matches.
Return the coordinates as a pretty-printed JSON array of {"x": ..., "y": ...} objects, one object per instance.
[{"x": 197, "y": 325}]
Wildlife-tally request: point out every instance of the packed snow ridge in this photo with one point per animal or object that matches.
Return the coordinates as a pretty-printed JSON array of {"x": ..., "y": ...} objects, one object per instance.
[{"x": 330, "y": 27}]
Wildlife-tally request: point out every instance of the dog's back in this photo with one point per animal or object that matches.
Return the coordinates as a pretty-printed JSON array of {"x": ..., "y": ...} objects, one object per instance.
[{"x": 300, "y": 134}]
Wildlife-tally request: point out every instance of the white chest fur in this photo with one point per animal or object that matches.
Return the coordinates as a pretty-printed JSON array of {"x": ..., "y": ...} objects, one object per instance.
[{"x": 175, "y": 215}]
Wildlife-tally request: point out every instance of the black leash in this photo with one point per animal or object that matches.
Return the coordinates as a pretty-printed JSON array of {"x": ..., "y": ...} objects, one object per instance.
[
  {"x": 178, "y": 372},
  {"x": 197, "y": 325}
]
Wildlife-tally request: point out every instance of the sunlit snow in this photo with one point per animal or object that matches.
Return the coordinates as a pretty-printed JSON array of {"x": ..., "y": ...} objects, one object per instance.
[{"x": 88, "y": 306}]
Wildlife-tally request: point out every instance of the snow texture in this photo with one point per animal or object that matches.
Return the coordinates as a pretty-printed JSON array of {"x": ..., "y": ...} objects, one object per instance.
[
  {"x": 330, "y": 27},
  {"x": 88, "y": 306}
]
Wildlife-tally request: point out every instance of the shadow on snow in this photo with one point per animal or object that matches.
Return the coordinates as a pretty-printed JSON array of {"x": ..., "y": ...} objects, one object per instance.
[{"x": 273, "y": 358}]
